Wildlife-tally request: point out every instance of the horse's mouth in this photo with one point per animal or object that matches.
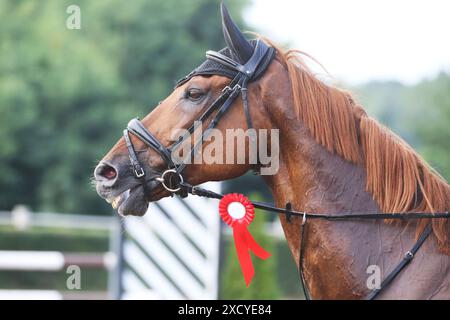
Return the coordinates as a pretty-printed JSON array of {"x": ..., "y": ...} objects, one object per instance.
[
  {"x": 117, "y": 201},
  {"x": 133, "y": 201},
  {"x": 130, "y": 202}
]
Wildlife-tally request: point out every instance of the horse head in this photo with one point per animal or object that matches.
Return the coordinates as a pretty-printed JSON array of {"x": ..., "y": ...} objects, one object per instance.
[{"x": 225, "y": 93}]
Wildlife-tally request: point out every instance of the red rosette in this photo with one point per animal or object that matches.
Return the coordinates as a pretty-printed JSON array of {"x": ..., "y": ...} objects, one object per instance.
[
  {"x": 240, "y": 198},
  {"x": 238, "y": 212}
]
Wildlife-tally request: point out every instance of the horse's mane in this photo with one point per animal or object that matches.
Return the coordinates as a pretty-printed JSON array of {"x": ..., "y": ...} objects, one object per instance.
[{"x": 398, "y": 178}]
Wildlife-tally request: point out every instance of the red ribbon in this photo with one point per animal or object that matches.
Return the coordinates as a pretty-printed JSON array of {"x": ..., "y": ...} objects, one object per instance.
[{"x": 243, "y": 240}]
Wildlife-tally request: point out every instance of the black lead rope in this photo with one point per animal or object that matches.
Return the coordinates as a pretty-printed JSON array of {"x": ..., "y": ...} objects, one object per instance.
[
  {"x": 198, "y": 191},
  {"x": 288, "y": 212}
]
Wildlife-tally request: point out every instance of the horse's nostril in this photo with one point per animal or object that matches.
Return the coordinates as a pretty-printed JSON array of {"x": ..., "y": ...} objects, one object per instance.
[
  {"x": 109, "y": 173},
  {"x": 105, "y": 171}
]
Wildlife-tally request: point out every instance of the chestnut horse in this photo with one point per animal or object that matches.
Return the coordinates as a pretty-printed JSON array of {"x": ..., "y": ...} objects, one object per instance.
[{"x": 333, "y": 158}]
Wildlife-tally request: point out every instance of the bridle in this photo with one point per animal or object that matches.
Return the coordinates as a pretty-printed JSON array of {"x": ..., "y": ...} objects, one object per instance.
[{"x": 172, "y": 179}]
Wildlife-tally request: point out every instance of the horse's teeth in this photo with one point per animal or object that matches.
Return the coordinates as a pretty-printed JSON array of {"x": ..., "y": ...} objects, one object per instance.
[
  {"x": 120, "y": 198},
  {"x": 115, "y": 202}
]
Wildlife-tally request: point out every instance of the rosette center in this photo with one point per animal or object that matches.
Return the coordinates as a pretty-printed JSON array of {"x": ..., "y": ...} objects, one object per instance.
[{"x": 236, "y": 210}]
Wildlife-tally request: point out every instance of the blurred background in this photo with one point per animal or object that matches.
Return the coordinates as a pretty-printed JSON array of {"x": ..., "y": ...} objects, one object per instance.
[{"x": 66, "y": 95}]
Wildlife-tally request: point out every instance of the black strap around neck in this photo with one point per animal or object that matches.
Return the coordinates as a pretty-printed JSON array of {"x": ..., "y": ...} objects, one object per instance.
[{"x": 407, "y": 258}]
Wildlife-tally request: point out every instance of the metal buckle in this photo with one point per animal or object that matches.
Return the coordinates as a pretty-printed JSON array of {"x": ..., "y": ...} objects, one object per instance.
[
  {"x": 409, "y": 255},
  {"x": 162, "y": 179},
  {"x": 304, "y": 218},
  {"x": 227, "y": 88},
  {"x": 139, "y": 174},
  {"x": 237, "y": 87}
]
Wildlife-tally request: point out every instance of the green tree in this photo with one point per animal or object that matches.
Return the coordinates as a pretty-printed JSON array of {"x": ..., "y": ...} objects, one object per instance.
[
  {"x": 418, "y": 113},
  {"x": 66, "y": 95},
  {"x": 429, "y": 120}
]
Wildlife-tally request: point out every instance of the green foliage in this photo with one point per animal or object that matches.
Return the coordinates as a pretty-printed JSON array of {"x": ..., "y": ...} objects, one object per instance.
[
  {"x": 66, "y": 95},
  {"x": 264, "y": 284},
  {"x": 430, "y": 119}
]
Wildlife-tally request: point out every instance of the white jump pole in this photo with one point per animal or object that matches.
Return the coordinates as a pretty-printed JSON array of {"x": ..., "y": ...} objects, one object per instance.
[
  {"x": 54, "y": 260},
  {"x": 31, "y": 260}
]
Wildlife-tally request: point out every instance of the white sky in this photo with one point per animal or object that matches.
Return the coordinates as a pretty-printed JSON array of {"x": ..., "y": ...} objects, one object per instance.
[{"x": 363, "y": 40}]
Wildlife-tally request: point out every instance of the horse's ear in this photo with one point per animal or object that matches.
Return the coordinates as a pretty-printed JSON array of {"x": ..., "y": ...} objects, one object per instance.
[{"x": 234, "y": 37}]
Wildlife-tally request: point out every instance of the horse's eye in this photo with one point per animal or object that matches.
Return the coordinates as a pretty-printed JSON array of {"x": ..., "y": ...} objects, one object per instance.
[{"x": 194, "y": 94}]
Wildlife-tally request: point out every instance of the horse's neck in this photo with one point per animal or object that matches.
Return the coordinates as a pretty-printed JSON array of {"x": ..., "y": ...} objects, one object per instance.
[
  {"x": 314, "y": 180},
  {"x": 337, "y": 254}
]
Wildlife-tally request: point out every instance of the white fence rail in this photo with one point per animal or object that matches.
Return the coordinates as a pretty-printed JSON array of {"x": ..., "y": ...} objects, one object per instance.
[
  {"x": 54, "y": 260},
  {"x": 26, "y": 260},
  {"x": 21, "y": 218}
]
